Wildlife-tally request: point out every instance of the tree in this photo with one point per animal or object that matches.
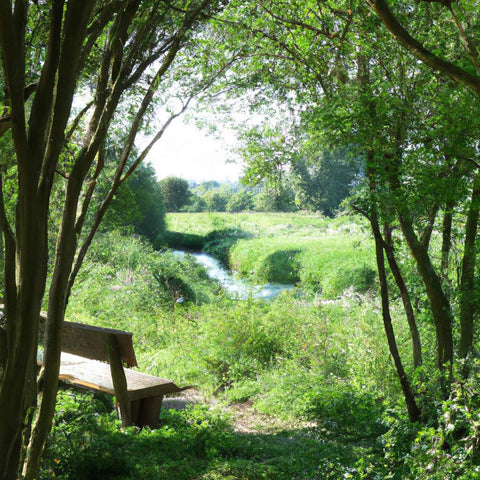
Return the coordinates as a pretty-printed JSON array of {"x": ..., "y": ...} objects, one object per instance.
[
  {"x": 139, "y": 204},
  {"x": 176, "y": 193},
  {"x": 464, "y": 69},
  {"x": 323, "y": 182},
  {"x": 52, "y": 53},
  {"x": 215, "y": 201},
  {"x": 340, "y": 75},
  {"x": 465, "y": 19},
  {"x": 240, "y": 201}
]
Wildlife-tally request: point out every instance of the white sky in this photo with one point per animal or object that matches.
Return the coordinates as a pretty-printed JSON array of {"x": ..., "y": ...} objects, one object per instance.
[{"x": 188, "y": 152}]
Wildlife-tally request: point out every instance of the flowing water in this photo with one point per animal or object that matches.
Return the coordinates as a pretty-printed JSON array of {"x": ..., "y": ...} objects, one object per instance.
[{"x": 235, "y": 287}]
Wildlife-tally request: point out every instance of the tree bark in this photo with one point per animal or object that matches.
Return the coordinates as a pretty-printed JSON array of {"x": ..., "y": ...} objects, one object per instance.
[
  {"x": 414, "y": 413},
  {"x": 38, "y": 147},
  {"x": 27, "y": 256},
  {"x": 407, "y": 304},
  {"x": 439, "y": 304},
  {"x": 446, "y": 242},
  {"x": 467, "y": 292}
]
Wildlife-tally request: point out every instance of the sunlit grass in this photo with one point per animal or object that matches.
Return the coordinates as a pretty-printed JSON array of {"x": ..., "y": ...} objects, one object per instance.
[{"x": 259, "y": 224}]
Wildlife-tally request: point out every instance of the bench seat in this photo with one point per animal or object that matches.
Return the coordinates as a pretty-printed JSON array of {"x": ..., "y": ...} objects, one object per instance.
[
  {"x": 145, "y": 392},
  {"x": 96, "y": 359},
  {"x": 93, "y": 375}
]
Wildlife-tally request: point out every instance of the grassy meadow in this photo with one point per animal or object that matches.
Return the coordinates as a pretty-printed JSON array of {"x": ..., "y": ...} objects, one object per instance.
[
  {"x": 291, "y": 388},
  {"x": 324, "y": 256}
]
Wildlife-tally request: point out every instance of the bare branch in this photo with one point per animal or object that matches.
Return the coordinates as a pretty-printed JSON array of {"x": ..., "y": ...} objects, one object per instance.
[
  {"x": 76, "y": 121},
  {"x": 155, "y": 139}
]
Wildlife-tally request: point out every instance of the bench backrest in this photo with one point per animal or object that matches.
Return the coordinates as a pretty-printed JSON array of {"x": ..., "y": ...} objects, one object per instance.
[{"x": 93, "y": 342}]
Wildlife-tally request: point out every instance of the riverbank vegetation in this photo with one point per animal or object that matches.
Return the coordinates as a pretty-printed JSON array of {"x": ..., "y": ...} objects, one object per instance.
[
  {"x": 295, "y": 366},
  {"x": 284, "y": 248},
  {"x": 303, "y": 372}
]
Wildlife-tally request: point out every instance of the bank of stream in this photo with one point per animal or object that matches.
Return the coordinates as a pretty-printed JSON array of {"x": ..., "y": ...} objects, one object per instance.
[{"x": 234, "y": 286}]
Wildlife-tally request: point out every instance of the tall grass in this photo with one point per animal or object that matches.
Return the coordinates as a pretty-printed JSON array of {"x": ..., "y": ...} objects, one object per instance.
[
  {"x": 324, "y": 264},
  {"x": 308, "y": 359},
  {"x": 225, "y": 345}
]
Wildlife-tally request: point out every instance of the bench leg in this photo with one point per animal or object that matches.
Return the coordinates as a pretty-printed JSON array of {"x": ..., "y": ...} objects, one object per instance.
[{"x": 145, "y": 412}]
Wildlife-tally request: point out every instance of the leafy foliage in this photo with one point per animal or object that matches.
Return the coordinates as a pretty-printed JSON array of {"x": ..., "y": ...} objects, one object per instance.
[
  {"x": 219, "y": 243},
  {"x": 176, "y": 193},
  {"x": 296, "y": 359},
  {"x": 138, "y": 204},
  {"x": 196, "y": 443}
]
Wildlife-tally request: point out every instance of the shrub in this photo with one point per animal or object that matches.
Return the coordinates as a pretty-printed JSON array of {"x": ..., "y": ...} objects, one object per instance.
[
  {"x": 188, "y": 241},
  {"x": 219, "y": 242},
  {"x": 281, "y": 266},
  {"x": 180, "y": 280},
  {"x": 237, "y": 343}
]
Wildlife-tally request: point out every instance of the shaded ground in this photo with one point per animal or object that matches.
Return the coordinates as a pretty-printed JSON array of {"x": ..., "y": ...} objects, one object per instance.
[
  {"x": 208, "y": 441},
  {"x": 245, "y": 419}
]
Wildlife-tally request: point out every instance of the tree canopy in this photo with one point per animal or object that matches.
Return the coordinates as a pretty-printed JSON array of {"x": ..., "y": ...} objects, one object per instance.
[
  {"x": 381, "y": 97},
  {"x": 402, "y": 106}
]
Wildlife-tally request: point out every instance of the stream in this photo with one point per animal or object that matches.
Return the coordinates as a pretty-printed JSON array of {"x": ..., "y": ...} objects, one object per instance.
[{"x": 235, "y": 287}]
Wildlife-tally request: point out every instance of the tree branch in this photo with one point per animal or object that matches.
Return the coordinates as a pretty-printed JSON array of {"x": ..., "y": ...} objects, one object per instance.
[
  {"x": 387, "y": 17},
  {"x": 470, "y": 49}
]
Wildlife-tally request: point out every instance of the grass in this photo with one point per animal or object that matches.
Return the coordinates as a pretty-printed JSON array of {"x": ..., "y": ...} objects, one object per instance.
[
  {"x": 260, "y": 224},
  {"x": 316, "y": 366},
  {"x": 202, "y": 442},
  {"x": 323, "y": 256},
  {"x": 322, "y": 264}
]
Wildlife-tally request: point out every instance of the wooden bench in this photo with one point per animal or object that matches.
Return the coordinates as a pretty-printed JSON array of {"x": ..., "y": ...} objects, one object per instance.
[{"x": 93, "y": 358}]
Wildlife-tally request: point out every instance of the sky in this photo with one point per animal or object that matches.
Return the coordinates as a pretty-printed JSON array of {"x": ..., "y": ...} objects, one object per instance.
[{"x": 193, "y": 154}]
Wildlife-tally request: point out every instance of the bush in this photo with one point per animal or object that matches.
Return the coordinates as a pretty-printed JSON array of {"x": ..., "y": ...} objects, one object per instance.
[
  {"x": 197, "y": 443},
  {"x": 188, "y": 241},
  {"x": 237, "y": 341},
  {"x": 240, "y": 201},
  {"x": 219, "y": 242},
  {"x": 281, "y": 266},
  {"x": 124, "y": 282}
]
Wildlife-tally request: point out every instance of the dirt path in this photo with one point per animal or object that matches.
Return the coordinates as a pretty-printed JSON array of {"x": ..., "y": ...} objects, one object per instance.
[{"x": 245, "y": 418}]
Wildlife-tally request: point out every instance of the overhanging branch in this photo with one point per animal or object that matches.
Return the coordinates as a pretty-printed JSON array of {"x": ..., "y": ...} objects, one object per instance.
[{"x": 434, "y": 62}]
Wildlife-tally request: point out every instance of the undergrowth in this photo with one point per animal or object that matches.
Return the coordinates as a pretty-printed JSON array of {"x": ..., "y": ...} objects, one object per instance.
[
  {"x": 320, "y": 365},
  {"x": 197, "y": 443}
]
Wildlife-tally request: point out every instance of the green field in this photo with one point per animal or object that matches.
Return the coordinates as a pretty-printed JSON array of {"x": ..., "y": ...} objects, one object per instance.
[
  {"x": 260, "y": 224},
  {"x": 323, "y": 256},
  {"x": 299, "y": 387}
]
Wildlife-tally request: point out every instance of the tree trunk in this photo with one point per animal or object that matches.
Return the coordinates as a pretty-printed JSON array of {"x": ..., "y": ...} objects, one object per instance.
[
  {"x": 53, "y": 337},
  {"x": 414, "y": 413},
  {"x": 446, "y": 244},
  {"x": 407, "y": 304},
  {"x": 439, "y": 304},
  {"x": 467, "y": 292},
  {"x": 16, "y": 397}
]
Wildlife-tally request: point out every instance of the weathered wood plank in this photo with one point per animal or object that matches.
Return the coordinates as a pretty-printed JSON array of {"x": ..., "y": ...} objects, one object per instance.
[
  {"x": 119, "y": 381},
  {"x": 92, "y": 358},
  {"x": 146, "y": 411},
  {"x": 94, "y": 375},
  {"x": 92, "y": 342}
]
